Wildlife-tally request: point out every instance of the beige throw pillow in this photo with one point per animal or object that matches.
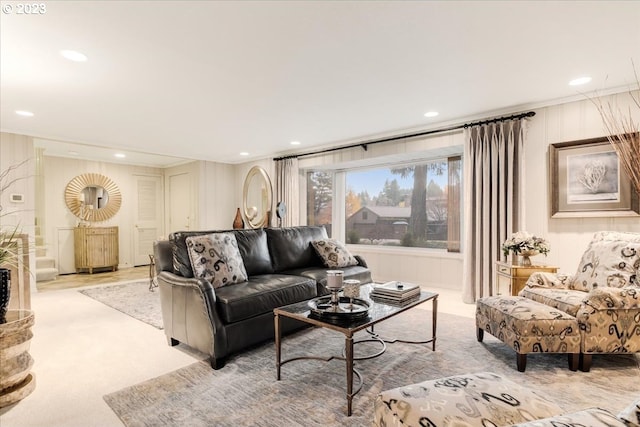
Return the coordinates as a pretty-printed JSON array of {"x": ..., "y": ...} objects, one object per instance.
[
  {"x": 333, "y": 253},
  {"x": 216, "y": 258},
  {"x": 608, "y": 263}
]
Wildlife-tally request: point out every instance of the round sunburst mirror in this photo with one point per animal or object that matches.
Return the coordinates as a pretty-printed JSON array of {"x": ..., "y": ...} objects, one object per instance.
[{"x": 92, "y": 197}]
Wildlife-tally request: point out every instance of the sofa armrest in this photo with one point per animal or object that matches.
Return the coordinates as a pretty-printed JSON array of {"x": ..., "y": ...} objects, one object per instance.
[
  {"x": 177, "y": 280},
  {"x": 608, "y": 319},
  {"x": 361, "y": 261},
  {"x": 189, "y": 313},
  {"x": 542, "y": 279},
  {"x": 198, "y": 287},
  {"x": 607, "y": 298}
]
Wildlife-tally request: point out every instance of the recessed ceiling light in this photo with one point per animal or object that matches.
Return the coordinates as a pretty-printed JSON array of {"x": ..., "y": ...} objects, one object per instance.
[
  {"x": 580, "y": 81},
  {"x": 295, "y": 143},
  {"x": 431, "y": 114},
  {"x": 120, "y": 155},
  {"x": 73, "y": 55},
  {"x": 24, "y": 113},
  {"x": 244, "y": 153}
]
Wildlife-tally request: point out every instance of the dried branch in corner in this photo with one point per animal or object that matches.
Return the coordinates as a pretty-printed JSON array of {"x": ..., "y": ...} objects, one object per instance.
[{"x": 624, "y": 132}]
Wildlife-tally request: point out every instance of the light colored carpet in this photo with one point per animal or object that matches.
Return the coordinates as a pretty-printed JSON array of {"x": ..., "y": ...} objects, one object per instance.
[
  {"x": 312, "y": 393},
  {"x": 133, "y": 299}
]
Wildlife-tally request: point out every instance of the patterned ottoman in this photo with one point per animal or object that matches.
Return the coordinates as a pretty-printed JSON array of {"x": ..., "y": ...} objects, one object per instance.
[
  {"x": 528, "y": 327},
  {"x": 481, "y": 399}
]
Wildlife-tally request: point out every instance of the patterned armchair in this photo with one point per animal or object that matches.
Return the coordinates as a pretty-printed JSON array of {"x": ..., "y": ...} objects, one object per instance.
[{"x": 603, "y": 295}]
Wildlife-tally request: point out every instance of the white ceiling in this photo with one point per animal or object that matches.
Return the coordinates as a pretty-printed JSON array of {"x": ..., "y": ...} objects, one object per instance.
[{"x": 207, "y": 80}]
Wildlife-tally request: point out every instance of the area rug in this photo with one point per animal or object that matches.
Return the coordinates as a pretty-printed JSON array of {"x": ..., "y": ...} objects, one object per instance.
[
  {"x": 133, "y": 299},
  {"x": 312, "y": 393}
]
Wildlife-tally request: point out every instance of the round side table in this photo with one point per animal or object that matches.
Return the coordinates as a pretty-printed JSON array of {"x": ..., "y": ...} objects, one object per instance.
[{"x": 16, "y": 379}]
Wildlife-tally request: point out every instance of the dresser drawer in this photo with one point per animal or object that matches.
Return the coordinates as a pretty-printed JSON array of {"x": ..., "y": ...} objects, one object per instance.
[{"x": 510, "y": 279}]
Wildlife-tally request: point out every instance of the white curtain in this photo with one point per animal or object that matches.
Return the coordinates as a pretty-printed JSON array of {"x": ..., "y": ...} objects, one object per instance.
[
  {"x": 288, "y": 191},
  {"x": 492, "y": 170}
]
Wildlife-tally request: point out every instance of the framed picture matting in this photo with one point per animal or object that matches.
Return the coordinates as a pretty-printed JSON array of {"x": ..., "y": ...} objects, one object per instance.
[{"x": 587, "y": 180}]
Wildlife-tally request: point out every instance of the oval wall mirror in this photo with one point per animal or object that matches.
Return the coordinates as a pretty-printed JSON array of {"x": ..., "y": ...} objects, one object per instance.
[
  {"x": 92, "y": 197},
  {"x": 257, "y": 198}
]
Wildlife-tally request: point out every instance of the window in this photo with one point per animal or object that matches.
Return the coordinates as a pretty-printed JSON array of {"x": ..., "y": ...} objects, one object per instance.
[
  {"x": 413, "y": 205},
  {"x": 320, "y": 198},
  {"x": 405, "y": 205}
]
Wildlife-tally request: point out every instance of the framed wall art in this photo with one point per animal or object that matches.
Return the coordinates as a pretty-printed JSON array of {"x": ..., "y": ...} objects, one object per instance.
[{"x": 587, "y": 180}]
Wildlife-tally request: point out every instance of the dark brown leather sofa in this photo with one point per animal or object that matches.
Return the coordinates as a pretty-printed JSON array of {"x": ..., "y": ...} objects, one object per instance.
[{"x": 283, "y": 268}]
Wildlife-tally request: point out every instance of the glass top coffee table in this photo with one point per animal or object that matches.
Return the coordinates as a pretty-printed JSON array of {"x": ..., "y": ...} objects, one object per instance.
[{"x": 377, "y": 312}]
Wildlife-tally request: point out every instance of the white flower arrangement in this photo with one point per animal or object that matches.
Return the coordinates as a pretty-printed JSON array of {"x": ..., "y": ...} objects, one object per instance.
[{"x": 523, "y": 241}]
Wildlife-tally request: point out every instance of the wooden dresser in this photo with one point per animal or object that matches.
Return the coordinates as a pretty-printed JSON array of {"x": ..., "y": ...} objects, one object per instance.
[
  {"x": 95, "y": 247},
  {"x": 510, "y": 279}
]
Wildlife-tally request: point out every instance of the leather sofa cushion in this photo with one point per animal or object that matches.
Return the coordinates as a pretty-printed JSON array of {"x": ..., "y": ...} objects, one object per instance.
[
  {"x": 319, "y": 275},
  {"x": 251, "y": 243},
  {"x": 290, "y": 248},
  {"x": 261, "y": 294},
  {"x": 255, "y": 251}
]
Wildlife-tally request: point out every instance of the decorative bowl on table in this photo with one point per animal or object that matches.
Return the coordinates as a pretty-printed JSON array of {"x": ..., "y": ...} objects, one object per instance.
[{"x": 345, "y": 310}]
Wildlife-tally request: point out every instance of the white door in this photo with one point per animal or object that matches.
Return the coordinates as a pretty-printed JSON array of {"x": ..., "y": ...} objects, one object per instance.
[
  {"x": 148, "y": 214},
  {"x": 179, "y": 202}
]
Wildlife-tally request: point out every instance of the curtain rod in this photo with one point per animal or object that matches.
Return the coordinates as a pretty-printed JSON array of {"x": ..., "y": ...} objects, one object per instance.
[{"x": 364, "y": 145}]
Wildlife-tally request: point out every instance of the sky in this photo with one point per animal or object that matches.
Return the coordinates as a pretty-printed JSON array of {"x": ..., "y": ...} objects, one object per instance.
[{"x": 373, "y": 180}]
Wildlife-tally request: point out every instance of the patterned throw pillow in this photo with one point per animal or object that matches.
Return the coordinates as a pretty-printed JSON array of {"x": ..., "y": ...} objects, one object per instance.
[
  {"x": 608, "y": 263},
  {"x": 333, "y": 253},
  {"x": 216, "y": 258},
  {"x": 631, "y": 414}
]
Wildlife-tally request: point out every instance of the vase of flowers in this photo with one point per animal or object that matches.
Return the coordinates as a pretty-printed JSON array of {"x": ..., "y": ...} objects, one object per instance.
[{"x": 525, "y": 245}]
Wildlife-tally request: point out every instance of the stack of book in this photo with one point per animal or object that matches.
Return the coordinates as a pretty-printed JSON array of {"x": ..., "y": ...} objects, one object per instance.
[{"x": 396, "y": 293}]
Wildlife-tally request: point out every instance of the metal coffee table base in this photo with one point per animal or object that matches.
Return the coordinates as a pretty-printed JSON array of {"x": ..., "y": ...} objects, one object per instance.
[
  {"x": 348, "y": 358},
  {"x": 296, "y": 311}
]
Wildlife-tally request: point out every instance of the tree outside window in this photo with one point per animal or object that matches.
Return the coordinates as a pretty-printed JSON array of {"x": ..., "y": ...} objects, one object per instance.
[{"x": 320, "y": 198}]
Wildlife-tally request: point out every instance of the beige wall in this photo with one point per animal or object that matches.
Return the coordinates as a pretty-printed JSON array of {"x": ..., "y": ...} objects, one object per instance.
[
  {"x": 218, "y": 196},
  {"x": 568, "y": 236},
  {"x": 15, "y": 149},
  {"x": 212, "y": 194},
  {"x": 59, "y": 219}
]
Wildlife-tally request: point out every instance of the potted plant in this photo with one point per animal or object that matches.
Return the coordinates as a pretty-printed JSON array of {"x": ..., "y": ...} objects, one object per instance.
[{"x": 9, "y": 251}]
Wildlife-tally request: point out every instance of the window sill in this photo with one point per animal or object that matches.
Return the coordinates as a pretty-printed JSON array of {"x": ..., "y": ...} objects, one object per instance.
[{"x": 396, "y": 250}]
